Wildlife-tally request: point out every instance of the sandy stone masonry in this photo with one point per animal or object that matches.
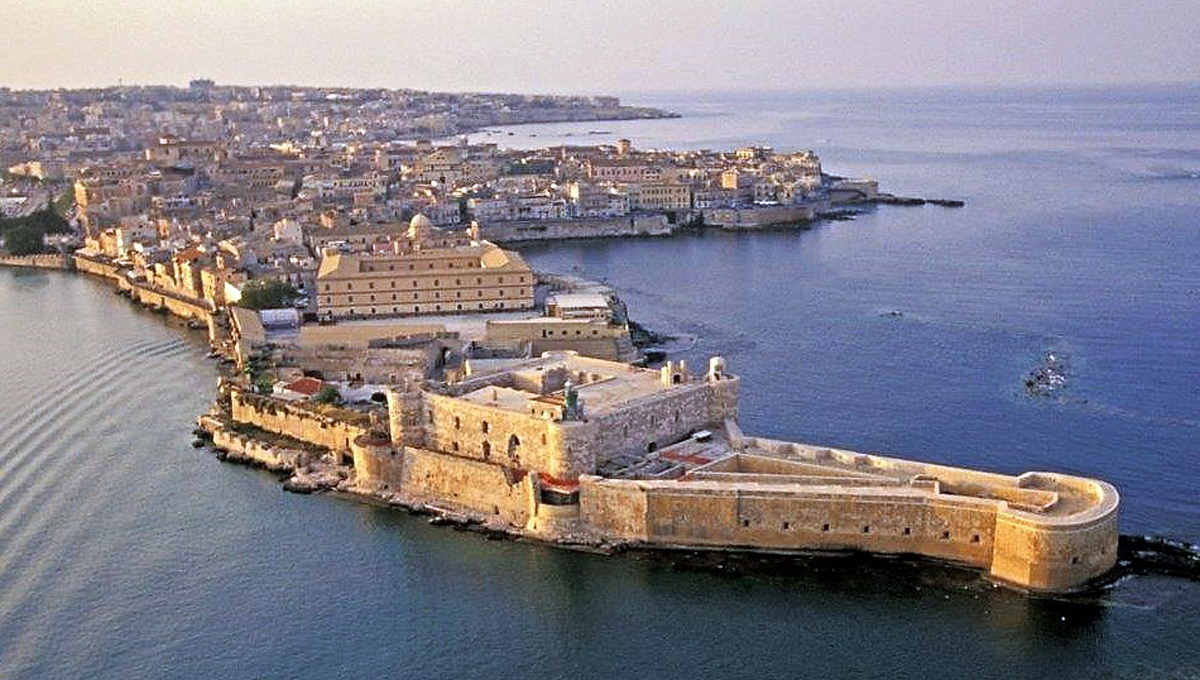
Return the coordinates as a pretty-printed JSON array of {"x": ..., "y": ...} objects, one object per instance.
[{"x": 568, "y": 448}]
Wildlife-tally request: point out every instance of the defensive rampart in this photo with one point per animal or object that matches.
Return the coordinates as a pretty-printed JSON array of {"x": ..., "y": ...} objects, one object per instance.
[
  {"x": 978, "y": 519},
  {"x": 758, "y": 216},
  {"x": 302, "y": 423},
  {"x": 43, "y": 261},
  {"x": 515, "y": 231}
]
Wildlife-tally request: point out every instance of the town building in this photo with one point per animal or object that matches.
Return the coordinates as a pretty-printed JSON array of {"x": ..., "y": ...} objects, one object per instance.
[{"x": 428, "y": 271}]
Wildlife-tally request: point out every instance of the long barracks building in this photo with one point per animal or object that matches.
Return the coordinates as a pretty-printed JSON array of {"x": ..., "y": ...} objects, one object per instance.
[{"x": 427, "y": 272}]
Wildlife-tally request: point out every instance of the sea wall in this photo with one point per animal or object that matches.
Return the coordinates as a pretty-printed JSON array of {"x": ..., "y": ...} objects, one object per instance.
[
  {"x": 505, "y": 493},
  {"x": 291, "y": 420},
  {"x": 758, "y": 216},
  {"x": 513, "y": 231},
  {"x": 1044, "y": 555},
  {"x": 1045, "y": 552},
  {"x": 181, "y": 306},
  {"x": 97, "y": 265},
  {"x": 43, "y": 261},
  {"x": 253, "y": 450}
]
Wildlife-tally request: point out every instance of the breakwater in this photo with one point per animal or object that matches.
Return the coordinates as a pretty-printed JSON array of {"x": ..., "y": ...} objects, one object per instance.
[{"x": 39, "y": 261}]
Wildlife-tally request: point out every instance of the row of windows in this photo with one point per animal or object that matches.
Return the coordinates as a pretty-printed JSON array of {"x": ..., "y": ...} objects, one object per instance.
[
  {"x": 416, "y": 309},
  {"x": 437, "y": 295},
  {"x": 866, "y": 529},
  {"x": 436, "y": 283},
  {"x": 464, "y": 264},
  {"x": 550, "y": 333}
]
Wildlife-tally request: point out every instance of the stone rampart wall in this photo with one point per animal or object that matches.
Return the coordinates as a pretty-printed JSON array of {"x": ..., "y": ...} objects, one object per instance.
[
  {"x": 97, "y": 266},
  {"x": 613, "y": 508},
  {"x": 753, "y": 218},
  {"x": 280, "y": 417},
  {"x": 457, "y": 426},
  {"x": 656, "y": 421},
  {"x": 568, "y": 449},
  {"x": 178, "y": 305},
  {"x": 976, "y": 532},
  {"x": 43, "y": 261},
  {"x": 538, "y": 230},
  {"x": 483, "y": 487}
]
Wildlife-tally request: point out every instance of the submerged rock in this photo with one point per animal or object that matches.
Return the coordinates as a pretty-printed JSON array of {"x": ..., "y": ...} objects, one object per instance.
[{"x": 1048, "y": 378}]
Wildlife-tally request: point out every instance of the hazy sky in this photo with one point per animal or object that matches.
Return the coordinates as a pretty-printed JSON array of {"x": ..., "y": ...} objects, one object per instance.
[{"x": 598, "y": 46}]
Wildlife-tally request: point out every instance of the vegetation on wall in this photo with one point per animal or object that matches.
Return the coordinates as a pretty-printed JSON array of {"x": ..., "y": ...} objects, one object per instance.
[
  {"x": 267, "y": 294},
  {"x": 23, "y": 235}
]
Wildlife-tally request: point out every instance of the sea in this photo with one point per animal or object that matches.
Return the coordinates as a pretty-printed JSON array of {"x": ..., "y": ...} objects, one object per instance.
[{"x": 910, "y": 331}]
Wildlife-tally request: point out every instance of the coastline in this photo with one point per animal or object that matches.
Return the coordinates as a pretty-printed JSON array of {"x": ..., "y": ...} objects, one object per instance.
[{"x": 322, "y": 469}]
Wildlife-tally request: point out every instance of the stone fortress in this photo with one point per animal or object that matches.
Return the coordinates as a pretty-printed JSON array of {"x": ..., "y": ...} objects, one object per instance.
[{"x": 599, "y": 453}]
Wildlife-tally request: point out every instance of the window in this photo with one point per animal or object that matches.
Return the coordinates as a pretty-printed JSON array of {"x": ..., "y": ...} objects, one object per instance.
[
  {"x": 945, "y": 535},
  {"x": 866, "y": 528},
  {"x": 907, "y": 531},
  {"x": 824, "y": 527},
  {"x": 975, "y": 538},
  {"x": 483, "y": 426},
  {"x": 745, "y": 523}
]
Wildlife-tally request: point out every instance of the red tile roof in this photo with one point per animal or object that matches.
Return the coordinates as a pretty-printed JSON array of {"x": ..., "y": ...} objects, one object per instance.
[{"x": 306, "y": 386}]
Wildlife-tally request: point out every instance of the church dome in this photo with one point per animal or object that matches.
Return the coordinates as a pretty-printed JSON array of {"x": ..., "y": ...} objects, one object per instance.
[
  {"x": 419, "y": 229},
  {"x": 419, "y": 222}
]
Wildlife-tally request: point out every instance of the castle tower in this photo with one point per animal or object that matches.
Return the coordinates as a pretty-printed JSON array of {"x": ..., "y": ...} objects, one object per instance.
[
  {"x": 724, "y": 404},
  {"x": 406, "y": 422}
]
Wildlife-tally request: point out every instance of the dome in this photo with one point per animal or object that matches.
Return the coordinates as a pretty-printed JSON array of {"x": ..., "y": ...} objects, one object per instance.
[
  {"x": 419, "y": 229},
  {"x": 420, "y": 222}
]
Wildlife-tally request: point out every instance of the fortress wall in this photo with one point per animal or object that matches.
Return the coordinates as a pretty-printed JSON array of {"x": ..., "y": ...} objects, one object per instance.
[
  {"x": 719, "y": 515},
  {"x": 604, "y": 347},
  {"x": 42, "y": 261},
  {"x": 97, "y": 267},
  {"x": 197, "y": 309},
  {"x": 535, "y": 450},
  {"x": 568, "y": 449},
  {"x": 598, "y": 227},
  {"x": 280, "y": 417},
  {"x": 661, "y": 419},
  {"x": 374, "y": 365},
  {"x": 376, "y": 464},
  {"x": 482, "y": 487},
  {"x": 760, "y": 216},
  {"x": 801, "y": 520},
  {"x": 1041, "y": 553},
  {"x": 249, "y": 448},
  {"x": 614, "y": 508},
  {"x": 1053, "y": 558}
]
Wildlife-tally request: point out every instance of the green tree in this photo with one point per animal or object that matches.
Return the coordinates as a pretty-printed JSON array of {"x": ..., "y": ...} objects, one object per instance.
[
  {"x": 328, "y": 395},
  {"x": 24, "y": 240},
  {"x": 267, "y": 294}
]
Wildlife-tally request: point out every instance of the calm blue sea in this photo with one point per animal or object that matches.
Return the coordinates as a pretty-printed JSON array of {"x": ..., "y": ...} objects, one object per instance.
[{"x": 124, "y": 553}]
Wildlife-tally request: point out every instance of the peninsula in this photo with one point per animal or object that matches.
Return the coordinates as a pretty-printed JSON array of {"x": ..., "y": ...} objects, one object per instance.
[{"x": 380, "y": 337}]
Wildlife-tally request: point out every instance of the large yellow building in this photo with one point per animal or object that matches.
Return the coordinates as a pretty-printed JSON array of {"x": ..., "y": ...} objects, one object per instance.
[{"x": 429, "y": 271}]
